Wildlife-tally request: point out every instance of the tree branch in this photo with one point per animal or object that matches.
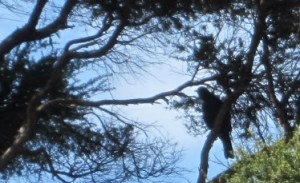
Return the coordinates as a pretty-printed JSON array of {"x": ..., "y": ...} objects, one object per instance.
[
  {"x": 220, "y": 178},
  {"x": 243, "y": 83},
  {"x": 104, "y": 49},
  {"x": 29, "y": 33},
  {"x": 260, "y": 26},
  {"x": 106, "y": 23},
  {"x": 214, "y": 133},
  {"x": 279, "y": 107},
  {"x": 149, "y": 100},
  {"x": 25, "y": 132},
  {"x": 16, "y": 38},
  {"x": 59, "y": 23},
  {"x": 22, "y": 34}
]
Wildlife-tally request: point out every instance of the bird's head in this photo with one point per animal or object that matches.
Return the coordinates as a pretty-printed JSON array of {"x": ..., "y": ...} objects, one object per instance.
[{"x": 202, "y": 92}]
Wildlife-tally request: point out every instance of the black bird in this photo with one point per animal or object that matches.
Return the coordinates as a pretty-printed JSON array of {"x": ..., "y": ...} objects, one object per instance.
[{"x": 211, "y": 106}]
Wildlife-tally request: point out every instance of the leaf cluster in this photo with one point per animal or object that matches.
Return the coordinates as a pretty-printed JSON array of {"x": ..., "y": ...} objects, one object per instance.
[
  {"x": 238, "y": 50},
  {"x": 275, "y": 163}
]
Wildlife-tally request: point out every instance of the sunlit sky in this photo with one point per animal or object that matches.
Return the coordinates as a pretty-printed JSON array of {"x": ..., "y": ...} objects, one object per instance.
[
  {"x": 169, "y": 121},
  {"x": 164, "y": 78}
]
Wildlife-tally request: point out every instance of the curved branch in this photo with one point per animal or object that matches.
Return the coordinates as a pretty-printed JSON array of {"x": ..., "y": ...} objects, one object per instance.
[
  {"x": 22, "y": 34},
  {"x": 136, "y": 101},
  {"x": 106, "y": 23},
  {"x": 57, "y": 24},
  {"x": 260, "y": 26},
  {"x": 104, "y": 49},
  {"x": 244, "y": 82},
  {"x": 25, "y": 132},
  {"x": 213, "y": 135},
  {"x": 279, "y": 107},
  {"x": 16, "y": 38}
]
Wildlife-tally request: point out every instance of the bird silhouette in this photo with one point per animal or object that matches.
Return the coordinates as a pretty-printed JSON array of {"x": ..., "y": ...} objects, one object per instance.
[{"x": 211, "y": 106}]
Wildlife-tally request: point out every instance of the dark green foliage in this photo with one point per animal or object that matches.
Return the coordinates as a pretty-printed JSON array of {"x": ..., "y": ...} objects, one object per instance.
[
  {"x": 281, "y": 15},
  {"x": 218, "y": 49},
  {"x": 219, "y": 41},
  {"x": 137, "y": 9},
  {"x": 278, "y": 162},
  {"x": 21, "y": 78},
  {"x": 248, "y": 49},
  {"x": 137, "y": 13},
  {"x": 72, "y": 141},
  {"x": 64, "y": 135}
]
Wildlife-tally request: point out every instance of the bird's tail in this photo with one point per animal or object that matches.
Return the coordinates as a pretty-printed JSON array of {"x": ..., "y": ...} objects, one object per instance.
[{"x": 228, "y": 150}]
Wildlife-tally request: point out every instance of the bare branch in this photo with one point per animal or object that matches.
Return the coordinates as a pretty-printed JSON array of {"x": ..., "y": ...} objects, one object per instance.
[
  {"x": 21, "y": 35},
  {"x": 104, "y": 49},
  {"x": 57, "y": 24},
  {"x": 105, "y": 26},
  {"x": 260, "y": 26},
  {"x": 243, "y": 83},
  {"x": 18, "y": 37},
  {"x": 149, "y": 100},
  {"x": 214, "y": 133},
  {"x": 25, "y": 132},
  {"x": 279, "y": 108}
]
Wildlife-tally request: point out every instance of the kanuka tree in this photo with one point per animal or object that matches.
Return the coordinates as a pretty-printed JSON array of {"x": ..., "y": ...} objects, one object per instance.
[
  {"x": 242, "y": 51},
  {"x": 50, "y": 123},
  {"x": 246, "y": 52}
]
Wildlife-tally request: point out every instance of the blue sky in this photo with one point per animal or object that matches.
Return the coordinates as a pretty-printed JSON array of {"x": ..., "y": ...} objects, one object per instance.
[
  {"x": 165, "y": 78},
  {"x": 170, "y": 125}
]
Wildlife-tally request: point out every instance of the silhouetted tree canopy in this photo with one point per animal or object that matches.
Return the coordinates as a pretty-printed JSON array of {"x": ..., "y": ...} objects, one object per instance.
[
  {"x": 56, "y": 119},
  {"x": 248, "y": 53},
  {"x": 49, "y": 123}
]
